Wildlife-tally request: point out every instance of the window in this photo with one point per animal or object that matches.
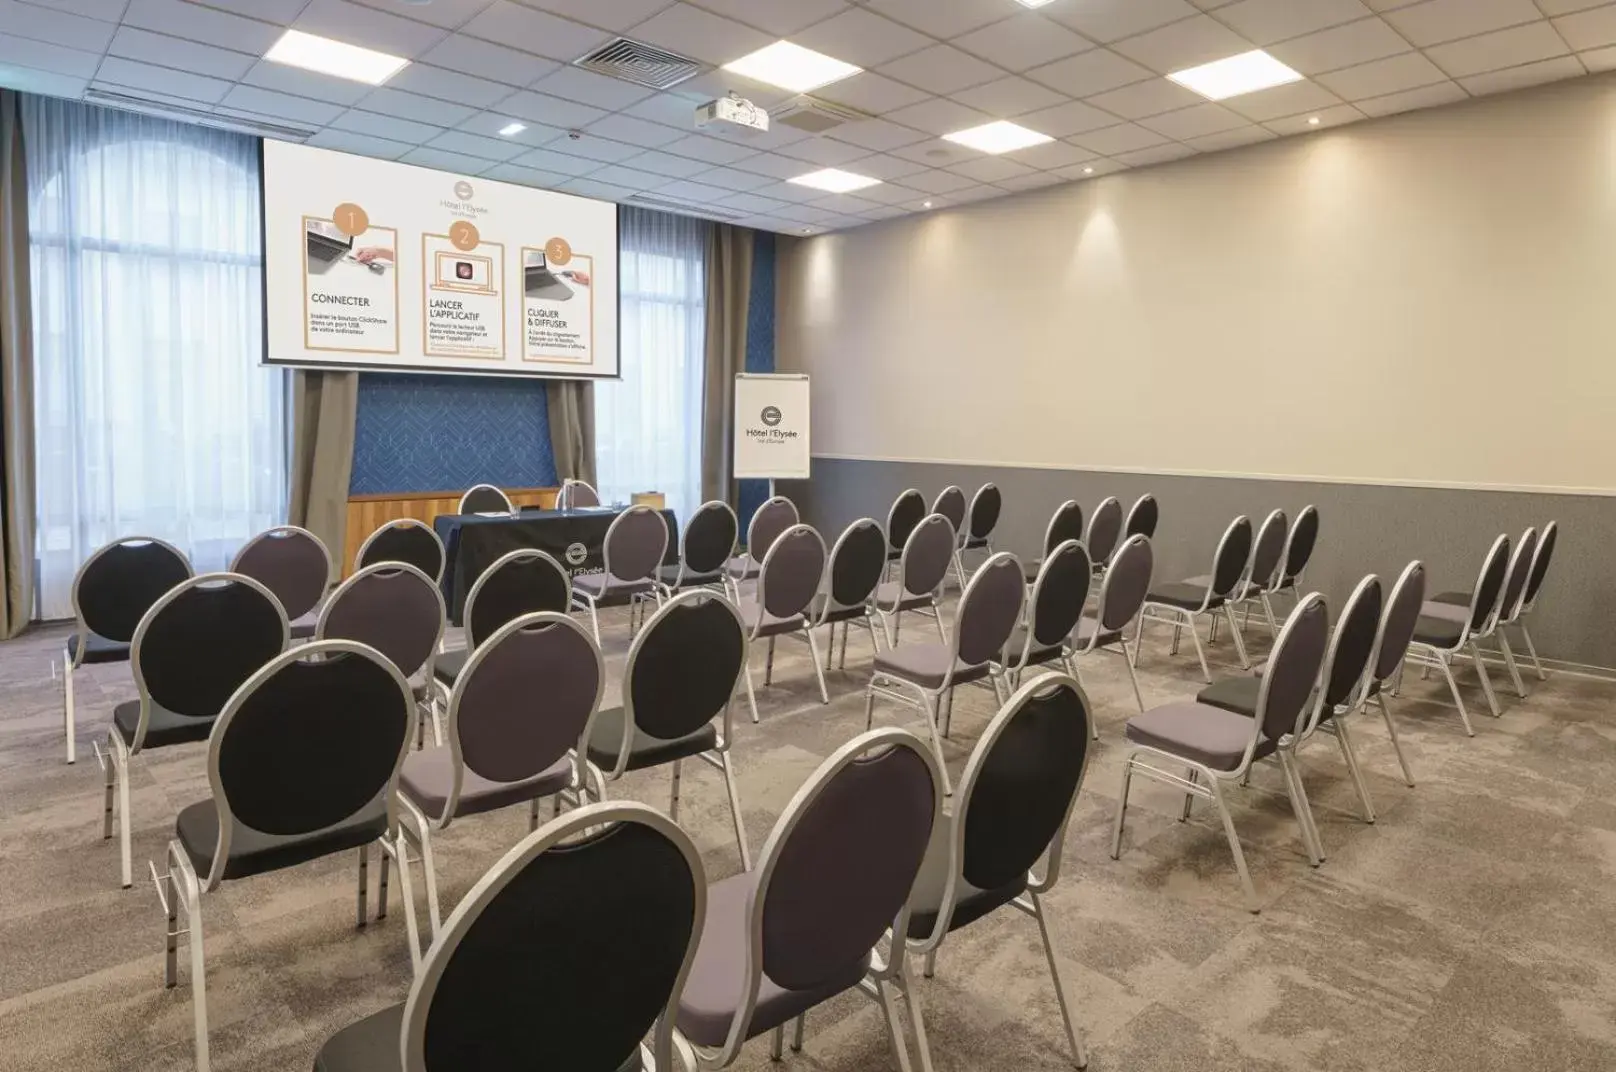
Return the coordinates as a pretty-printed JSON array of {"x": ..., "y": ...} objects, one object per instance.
[
  {"x": 153, "y": 415},
  {"x": 648, "y": 428}
]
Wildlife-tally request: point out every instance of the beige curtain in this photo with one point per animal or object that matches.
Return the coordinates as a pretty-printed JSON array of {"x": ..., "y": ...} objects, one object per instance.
[
  {"x": 323, "y": 410},
  {"x": 16, "y": 381},
  {"x": 571, "y": 406},
  {"x": 729, "y": 293}
]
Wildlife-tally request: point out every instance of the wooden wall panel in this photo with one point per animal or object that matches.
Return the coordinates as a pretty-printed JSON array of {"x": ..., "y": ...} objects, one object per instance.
[{"x": 367, "y": 513}]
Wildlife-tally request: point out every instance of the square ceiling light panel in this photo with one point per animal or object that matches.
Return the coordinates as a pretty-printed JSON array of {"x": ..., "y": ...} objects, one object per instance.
[
  {"x": 335, "y": 58},
  {"x": 835, "y": 180},
  {"x": 792, "y": 67},
  {"x": 1235, "y": 75},
  {"x": 999, "y": 137}
]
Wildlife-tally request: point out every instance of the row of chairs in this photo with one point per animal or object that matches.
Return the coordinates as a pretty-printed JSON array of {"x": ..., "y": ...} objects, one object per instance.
[{"x": 488, "y": 499}]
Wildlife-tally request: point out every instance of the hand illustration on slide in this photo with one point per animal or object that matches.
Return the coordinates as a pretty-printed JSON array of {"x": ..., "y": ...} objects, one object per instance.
[
  {"x": 373, "y": 253},
  {"x": 581, "y": 278}
]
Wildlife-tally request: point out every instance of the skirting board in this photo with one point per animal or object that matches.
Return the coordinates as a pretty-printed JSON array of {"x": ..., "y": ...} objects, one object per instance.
[{"x": 1365, "y": 528}]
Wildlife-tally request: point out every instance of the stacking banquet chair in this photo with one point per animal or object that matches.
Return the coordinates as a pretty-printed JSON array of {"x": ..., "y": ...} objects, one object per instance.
[
  {"x": 1346, "y": 660},
  {"x": 112, "y": 591},
  {"x": 678, "y": 698},
  {"x": 485, "y": 499},
  {"x": 1444, "y": 631},
  {"x": 785, "y": 595},
  {"x": 1391, "y": 648},
  {"x": 922, "y": 572},
  {"x": 705, "y": 549},
  {"x": 1299, "y": 545},
  {"x": 191, "y": 651},
  {"x": 1534, "y": 585},
  {"x": 521, "y": 582},
  {"x": 950, "y": 503},
  {"x": 405, "y": 540},
  {"x": 982, "y": 519},
  {"x": 827, "y": 908},
  {"x": 632, "y": 554},
  {"x": 519, "y": 720},
  {"x": 1054, "y": 609},
  {"x": 1143, "y": 517},
  {"x": 925, "y": 675},
  {"x": 567, "y": 954},
  {"x": 768, "y": 522},
  {"x": 398, "y": 610},
  {"x": 856, "y": 563},
  {"x": 1066, "y": 523},
  {"x": 294, "y": 564},
  {"x": 1010, "y": 813},
  {"x": 1510, "y": 606},
  {"x": 1183, "y": 602},
  {"x": 1122, "y": 595},
  {"x": 1220, "y": 746},
  {"x": 1262, "y": 573},
  {"x": 908, "y": 510},
  {"x": 303, "y": 764},
  {"x": 1105, "y": 530},
  {"x": 576, "y": 495}
]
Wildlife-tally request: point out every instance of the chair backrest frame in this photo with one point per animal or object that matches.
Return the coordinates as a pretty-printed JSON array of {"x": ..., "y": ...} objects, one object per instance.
[
  {"x": 396, "y": 525},
  {"x": 1540, "y": 564},
  {"x": 845, "y": 545},
  {"x": 1402, "y": 609},
  {"x": 1036, "y": 599},
  {"x": 950, "y": 502},
  {"x": 713, "y": 508},
  {"x": 288, "y": 532},
  {"x": 1300, "y": 544},
  {"x": 763, "y": 519},
  {"x": 983, "y": 516},
  {"x": 999, "y": 569},
  {"x": 634, "y": 515},
  {"x": 1360, "y": 616},
  {"x": 917, "y": 544},
  {"x": 1519, "y": 575},
  {"x": 899, "y": 523},
  {"x": 521, "y": 556},
  {"x": 772, "y": 563},
  {"x": 482, "y": 490},
  {"x": 388, "y": 567},
  {"x": 1104, "y": 531},
  {"x": 83, "y": 626},
  {"x": 567, "y": 498},
  {"x": 1143, "y": 517},
  {"x": 1267, "y": 561},
  {"x": 1066, "y": 523},
  {"x": 1119, "y": 573}
]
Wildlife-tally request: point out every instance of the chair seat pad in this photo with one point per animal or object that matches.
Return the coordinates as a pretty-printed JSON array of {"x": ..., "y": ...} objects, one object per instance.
[
  {"x": 836, "y": 612},
  {"x": 164, "y": 727},
  {"x": 303, "y": 628},
  {"x": 769, "y": 625},
  {"x": 1087, "y": 627},
  {"x": 970, "y": 903},
  {"x": 743, "y": 568},
  {"x": 428, "y": 777},
  {"x": 669, "y": 575},
  {"x": 715, "y": 988},
  {"x": 1185, "y": 595},
  {"x": 1440, "y": 632},
  {"x": 1447, "y": 609},
  {"x": 449, "y": 665},
  {"x": 976, "y": 543},
  {"x": 890, "y": 591},
  {"x": 197, "y": 829},
  {"x": 604, "y": 588},
  {"x": 1237, "y": 694},
  {"x": 926, "y": 665},
  {"x": 1211, "y": 736},
  {"x": 1036, "y": 656},
  {"x": 98, "y": 649},
  {"x": 606, "y": 741}
]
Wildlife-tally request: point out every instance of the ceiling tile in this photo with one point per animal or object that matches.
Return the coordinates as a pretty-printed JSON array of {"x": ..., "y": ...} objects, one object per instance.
[
  {"x": 862, "y": 37},
  {"x": 632, "y": 131},
  {"x": 693, "y": 32},
  {"x": 559, "y": 163},
  {"x": 1064, "y": 120},
  {"x": 1340, "y": 46},
  {"x": 1051, "y": 155},
  {"x": 283, "y": 79},
  {"x": 1530, "y": 74},
  {"x": 546, "y": 180},
  {"x": 790, "y": 192},
  {"x": 675, "y": 167},
  {"x": 489, "y": 125},
  {"x": 1090, "y": 73},
  {"x": 411, "y": 106},
  {"x": 363, "y": 144},
  {"x": 825, "y": 152},
  {"x": 1391, "y": 75},
  {"x": 669, "y": 109},
  {"x": 720, "y": 83},
  {"x": 453, "y": 163},
  {"x": 710, "y": 149},
  {"x": 202, "y": 24},
  {"x": 1409, "y": 99},
  {"x": 1150, "y": 97},
  {"x": 1112, "y": 20},
  {"x": 734, "y": 179},
  {"x": 487, "y": 60},
  {"x": 591, "y": 148},
  {"x": 1589, "y": 29},
  {"x": 1023, "y": 41},
  {"x": 750, "y": 203},
  {"x": 891, "y": 193},
  {"x": 1092, "y": 170},
  {"x": 991, "y": 169},
  {"x": 497, "y": 149},
  {"x": 135, "y": 75},
  {"x": 877, "y": 134},
  {"x": 1280, "y": 101},
  {"x": 938, "y": 182},
  {"x": 1183, "y": 44},
  {"x": 1159, "y": 154},
  {"x": 935, "y": 153},
  {"x": 148, "y": 47},
  {"x": 1327, "y": 117},
  {"x": 872, "y": 93},
  {"x": 1208, "y": 118},
  {"x": 1564, "y": 7},
  {"x": 942, "y": 69},
  {"x": 448, "y": 14},
  {"x": 551, "y": 111},
  {"x": 281, "y": 12},
  {"x": 449, "y": 85},
  {"x": 604, "y": 191},
  {"x": 777, "y": 136},
  {"x": 1599, "y": 59},
  {"x": 385, "y": 126},
  {"x": 587, "y": 87},
  {"x": 366, "y": 26},
  {"x": 56, "y": 27},
  {"x": 885, "y": 167},
  {"x": 843, "y": 204},
  {"x": 1262, "y": 22},
  {"x": 1031, "y": 181},
  {"x": 1501, "y": 48},
  {"x": 690, "y": 190},
  {"x": 1122, "y": 138},
  {"x": 280, "y": 105},
  {"x": 1231, "y": 139},
  {"x": 975, "y": 193},
  {"x": 939, "y": 116},
  {"x": 1436, "y": 21},
  {"x": 779, "y": 17},
  {"x": 629, "y": 178},
  {"x": 943, "y": 18},
  {"x": 607, "y": 14},
  {"x": 1009, "y": 97},
  {"x": 768, "y": 165},
  {"x": 505, "y": 23}
]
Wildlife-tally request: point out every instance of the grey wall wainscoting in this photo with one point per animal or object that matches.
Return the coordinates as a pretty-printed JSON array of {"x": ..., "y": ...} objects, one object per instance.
[{"x": 1364, "y": 528}]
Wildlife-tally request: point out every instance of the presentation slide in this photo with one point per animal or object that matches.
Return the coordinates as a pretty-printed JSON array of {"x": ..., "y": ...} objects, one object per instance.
[{"x": 372, "y": 264}]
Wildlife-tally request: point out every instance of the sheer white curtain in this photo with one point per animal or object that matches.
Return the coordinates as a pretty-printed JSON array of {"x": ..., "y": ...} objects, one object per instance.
[
  {"x": 153, "y": 415},
  {"x": 648, "y": 424}
]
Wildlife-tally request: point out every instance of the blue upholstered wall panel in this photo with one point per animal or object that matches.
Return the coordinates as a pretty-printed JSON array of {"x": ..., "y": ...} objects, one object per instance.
[
  {"x": 759, "y": 349},
  {"x": 446, "y": 433}
]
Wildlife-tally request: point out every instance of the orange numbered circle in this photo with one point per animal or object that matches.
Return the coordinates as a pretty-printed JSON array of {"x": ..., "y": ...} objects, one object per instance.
[
  {"x": 557, "y": 251},
  {"x": 350, "y": 219},
  {"x": 463, "y": 233}
]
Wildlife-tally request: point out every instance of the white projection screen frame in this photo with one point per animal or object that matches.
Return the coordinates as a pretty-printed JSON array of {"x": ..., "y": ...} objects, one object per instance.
[{"x": 371, "y": 264}]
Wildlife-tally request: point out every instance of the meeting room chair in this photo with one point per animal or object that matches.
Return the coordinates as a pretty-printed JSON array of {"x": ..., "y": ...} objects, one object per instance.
[
  {"x": 922, "y": 571},
  {"x": 1299, "y": 546},
  {"x": 519, "y": 721},
  {"x": 908, "y": 510},
  {"x": 111, "y": 592},
  {"x": 857, "y": 562},
  {"x": 1143, "y": 516},
  {"x": 924, "y": 676},
  {"x": 1054, "y": 609},
  {"x": 1262, "y": 574},
  {"x": 302, "y": 765},
  {"x": 1534, "y": 585},
  {"x": 1441, "y": 636},
  {"x": 678, "y": 699},
  {"x": 826, "y": 909},
  {"x": 1104, "y": 532},
  {"x": 1066, "y": 523},
  {"x": 771, "y": 519},
  {"x": 398, "y": 610},
  {"x": 577, "y": 495},
  {"x": 1220, "y": 746},
  {"x": 1010, "y": 814},
  {"x": 485, "y": 499},
  {"x": 1122, "y": 596},
  {"x": 522, "y": 582},
  {"x": 1185, "y": 602},
  {"x": 1510, "y": 605},
  {"x": 786, "y": 587},
  {"x": 566, "y": 954},
  {"x": 982, "y": 519},
  {"x": 705, "y": 549},
  {"x": 294, "y": 564},
  {"x": 191, "y": 651},
  {"x": 1391, "y": 648},
  {"x": 405, "y": 540},
  {"x": 635, "y": 545},
  {"x": 951, "y": 504}
]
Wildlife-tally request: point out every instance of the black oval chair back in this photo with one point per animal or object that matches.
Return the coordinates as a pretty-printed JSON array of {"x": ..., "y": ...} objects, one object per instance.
[
  {"x": 201, "y": 641},
  {"x": 927, "y": 556},
  {"x": 1066, "y": 523},
  {"x": 683, "y": 666},
  {"x": 1299, "y": 547},
  {"x": 709, "y": 540},
  {"x": 1105, "y": 528},
  {"x": 522, "y": 582},
  {"x": 1143, "y": 517},
  {"x": 1540, "y": 561},
  {"x": 1293, "y": 669},
  {"x": 636, "y": 543},
  {"x": 1397, "y": 627},
  {"x": 485, "y": 499},
  {"x": 857, "y": 562},
  {"x": 289, "y": 561},
  {"x": 118, "y": 584},
  {"x": 1059, "y": 593},
  {"x": 1269, "y": 550},
  {"x": 791, "y": 573},
  {"x": 1352, "y": 643},
  {"x": 406, "y": 540},
  {"x": 907, "y": 511},
  {"x": 1234, "y": 552},
  {"x": 392, "y": 607},
  {"x": 1489, "y": 584},
  {"x": 985, "y": 507},
  {"x": 1127, "y": 583},
  {"x": 990, "y": 610},
  {"x": 951, "y": 504},
  {"x": 767, "y": 524}
]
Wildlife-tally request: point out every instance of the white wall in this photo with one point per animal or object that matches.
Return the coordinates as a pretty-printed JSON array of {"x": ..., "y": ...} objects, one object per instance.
[{"x": 1426, "y": 298}]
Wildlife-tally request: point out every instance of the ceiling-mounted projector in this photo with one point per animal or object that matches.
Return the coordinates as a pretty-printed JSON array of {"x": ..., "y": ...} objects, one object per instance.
[{"x": 732, "y": 114}]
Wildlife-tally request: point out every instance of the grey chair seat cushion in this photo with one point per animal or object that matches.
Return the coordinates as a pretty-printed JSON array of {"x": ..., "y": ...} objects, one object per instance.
[
  {"x": 1037, "y": 656},
  {"x": 836, "y": 612},
  {"x": 1237, "y": 694},
  {"x": 1447, "y": 610},
  {"x": 163, "y": 728},
  {"x": 1439, "y": 632},
  {"x": 197, "y": 830},
  {"x": 1252, "y": 587},
  {"x": 974, "y": 543},
  {"x": 743, "y": 568},
  {"x": 606, "y": 741},
  {"x": 1184, "y": 595},
  {"x": 449, "y": 665},
  {"x": 769, "y": 625},
  {"x": 1197, "y": 732},
  {"x": 428, "y": 776},
  {"x": 715, "y": 988},
  {"x": 303, "y": 628},
  {"x": 970, "y": 903},
  {"x": 98, "y": 649},
  {"x": 372, "y": 1045},
  {"x": 926, "y": 665},
  {"x": 669, "y": 575},
  {"x": 606, "y": 589},
  {"x": 1461, "y": 599},
  {"x": 889, "y": 591}
]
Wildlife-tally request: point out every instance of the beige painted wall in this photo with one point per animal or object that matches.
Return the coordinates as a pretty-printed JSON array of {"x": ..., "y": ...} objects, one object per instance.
[{"x": 1426, "y": 298}]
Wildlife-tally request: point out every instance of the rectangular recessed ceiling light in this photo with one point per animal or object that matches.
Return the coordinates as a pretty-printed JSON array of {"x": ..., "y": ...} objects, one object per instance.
[
  {"x": 1034, "y": 3},
  {"x": 1000, "y": 137},
  {"x": 835, "y": 180},
  {"x": 1245, "y": 73},
  {"x": 335, "y": 58},
  {"x": 509, "y": 129},
  {"x": 792, "y": 67}
]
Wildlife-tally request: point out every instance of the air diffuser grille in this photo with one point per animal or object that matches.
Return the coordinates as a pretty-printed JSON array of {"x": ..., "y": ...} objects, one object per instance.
[{"x": 642, "y": 64}]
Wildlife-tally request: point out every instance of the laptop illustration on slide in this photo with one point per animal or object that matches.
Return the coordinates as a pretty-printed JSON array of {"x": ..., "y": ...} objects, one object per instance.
[
  {"x": 326, "y": 245},
  {"x": 539, "y": 282}
]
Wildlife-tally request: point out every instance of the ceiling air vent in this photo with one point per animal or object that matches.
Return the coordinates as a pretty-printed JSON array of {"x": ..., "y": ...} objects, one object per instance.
[
  {"x": 147, "y": 106},
  {"x": 814, "y": 115},
  {"x": 642, "y": 64},
  {"x": 679, "y": 208}
]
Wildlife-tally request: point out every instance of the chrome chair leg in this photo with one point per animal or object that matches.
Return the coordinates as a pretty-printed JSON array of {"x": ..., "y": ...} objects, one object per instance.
[
  {"x": 70, "y": 730},
  {"x": 1509, "y": 662},
  {"x": 1391, "y": 731},
  {"x": 1453, "y": 687},
  {"x": 1344, "y": 739},
  {"x": 1200, "y": 652},
  {"x": 1234, "y": 846},
  {"x": 1531, "y": 649},
  {"x": 1486, "y": 680},
  {"x": 1080, "y": 1056}
]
